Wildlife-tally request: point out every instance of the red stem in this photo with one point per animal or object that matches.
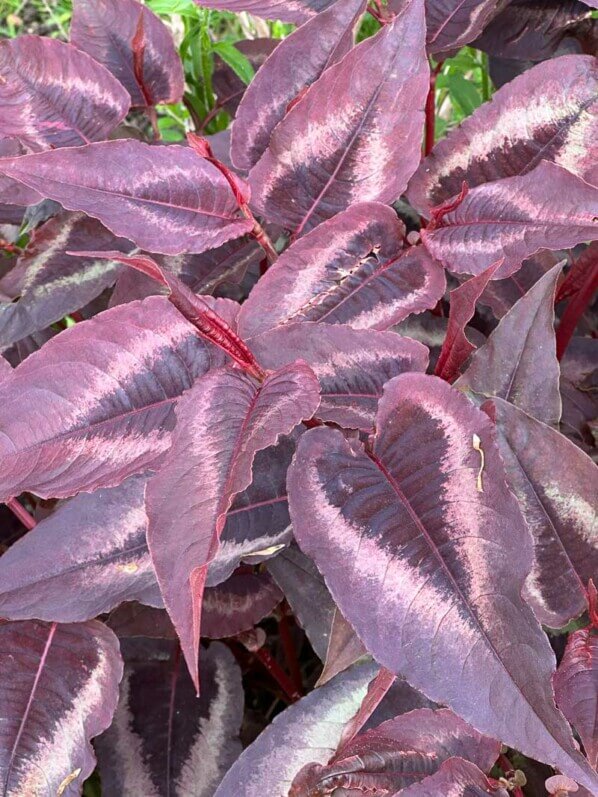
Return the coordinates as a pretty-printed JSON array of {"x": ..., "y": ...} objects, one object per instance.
[
  {"x": 575, "y": 310},
  {"x": 509, "y": 771},
  {"x": 282, "y": 679},
  {"x": 431, "y": 110},
  {"x": 290, "y": 653},
  {"x": 19, "y": 511}
]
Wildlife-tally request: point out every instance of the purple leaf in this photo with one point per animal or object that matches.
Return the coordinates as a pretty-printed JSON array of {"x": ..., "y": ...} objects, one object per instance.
[
  {"x": 544, "y": 114},
  {"x": 352, "y": 365},
  {"x": 518, "y": 362},
  {"x": 453, "y": 23},
  {"x": 307, "y": 731},
  {"x": 352, "y": 270},
  {"x": 59, "y": 689},
  {"x": 579, "y": 371},
  {"x": 427, "y": 507},
  {"x": 296, "y": 11},
  {"x": 455, "y": 778},
  {"x": 228, "y": 85},
  {"x": 294, "y": 65},
  {"x": 456, "y": 346},
  {"x": 556, "y": 486},
  {"x": 354, "y": 136},
  {"x": 222, "y": 422},
  {"x": 11, "y": 192},
  {"x": 83, "y": 560},
  {"x": 500, "y": 295},
  {"x": 547, "y": 208},
  {"x": 164, "y": 740},
  {"x": 344, "y": 648},
  {"x": 165, "y": 199},
  {"x": 6, "y": 369},
  {"x": 53, "y": 284},
  {"x": 399, "y": 753},
  {"x": 130, "y": 620},
  {"x": 576, "y": 688},
  {"x": 54, "y": 95},
  {"x": 238, "y": 604},
  {"x": 134, "y": 45},
  {"x": 114, "y": 378}
]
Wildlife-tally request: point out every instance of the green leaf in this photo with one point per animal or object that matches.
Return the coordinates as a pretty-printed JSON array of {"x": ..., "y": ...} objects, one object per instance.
[
  {"x": 463, "y": 92},
  {"x": 240, "y": 65}
]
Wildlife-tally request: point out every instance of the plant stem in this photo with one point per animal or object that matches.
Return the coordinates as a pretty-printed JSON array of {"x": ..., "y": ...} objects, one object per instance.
[
  {"x": 509, "y": 771},
  {"x": 290, "y": 653},
  {"x": 575, "y": 309},
  {"x": 431, "y": 110},
  {"x": 282, "y": 679},
  {"x": 260, "y": 235},
  {"x": 23, "y": 515}
]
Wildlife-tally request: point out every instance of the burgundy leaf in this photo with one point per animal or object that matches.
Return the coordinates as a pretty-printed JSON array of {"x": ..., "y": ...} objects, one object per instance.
[
  {"x": 222, "y": 422},
  {"x": 84, "y": 559},
  {"x": 166, "y": 199},
  {"x": 344, "y": 648},
  {"x": 228, "y": 85},
  {"x": 456, "y": 347},
  {"x": 545, "y": 114},
  {"x": 556, "y": 485},
  {"x": 296, "y": 11},
  {"x": 354, "y": 136},
  {"x": 518, "y": 362},
  {"x": 114, "y": 378},
  {"x": 238, "y": 604},
  {"x": 428, "y": 508},
  {"x": 307, "y": 731},
  {"x": 575, "y": 277},
  {"x": 130, "y": 620},
  {"x": 547, "y": 208},
  {"x": 352, "y": 365},
  {"x": 576, "y": 688},
  {"x": 293, "y": 66},
  {"x": 132, "y": 43},
  {"x": 455, "y": 778},
  {"x": 11, "y": 192},
  {"x": 59, "y": 689},
  {"x": 54, "y": 95},
  {"x": 579, "y": 380},
  {"x": 453, "y": 23},
  {"x": 166, "y": 741},
  {"x": 501, "y": 295},
  {"x": 352, "y": 270},
  {"x": 53, "y": 284}
]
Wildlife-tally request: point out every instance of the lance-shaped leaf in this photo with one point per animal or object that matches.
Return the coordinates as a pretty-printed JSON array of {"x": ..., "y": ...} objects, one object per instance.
[
  {"x": 500, "y": 295},
  {"x": 307, "y": 731},
  {"x": 229, "y": 87},
  {"x": 455, "y": 778},
  {"x": 576, "y": 688},
  {"x": 134, "y": 44},
  {"x": 548, "y": 208},
  {"x": 11, "y": 192},
  {"x": 344, "y": 648},
  {"x": 352, "y": 365},
  {"x": 456, "y": 347},
  {"x": 53, "y": 284},
  {"x": 452, "y": 23},
  {"x": 165, "y": 199},
  {"x": 165, "y": 740},
  {"x": 356, "y": 133},
  {"x": 222, "y": 422},
  {"x": 293, "y": 66},
  {"x": 548, "y": 113},
  {"x": 296, "y": 11},
  {"x": 518, "y": 362},
  {"x": 84, "y": 559},
  {"x": 59, "y": 689},
  {"x": 556, "y": 485},
  {"x": 238, "y": 604},
  {"x": 399, "y": 753},
  {"x": 351, "y": 270},
  {"x": 410, "y": 537},
  {"x": 54, "y": 95},
  {"x": 113, "y": 378}
]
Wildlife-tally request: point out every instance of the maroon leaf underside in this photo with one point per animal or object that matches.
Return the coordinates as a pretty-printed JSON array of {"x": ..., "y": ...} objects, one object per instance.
[
  {"x": 222, "y": 422},
  {"x": 133, "y": 44},
  {"x": 354, "y": 136},
  {"x": 116, "y": 376},
  {"x": 54, "y": 95},
  {"x": 238, "y": 604},
  {"x": 293, "y": 66},
  {"x": 59, "y": 689},
  {"x": 165, "y": 199},
  {"x": 424, "y": 510},
  {"x": 548, "y": 113},
  {"x": 344, "y": 648}
]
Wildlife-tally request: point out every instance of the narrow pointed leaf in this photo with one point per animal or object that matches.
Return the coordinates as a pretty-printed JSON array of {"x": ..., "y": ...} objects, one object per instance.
[
  {"x": 229, "y": 86},
  {"x": 164, "y": 740},
  {"x": 11, "y": 192},
  {"x": 455, "y": 778},
  {"x": 500, "y": 295},
  {"x": 165, "y": 199},
  {"x": 59, "y": 689},
  {"x": 344, "y": 648},
  {"x": 556, "y": 485},
  {"x": 354, "y": 136},
  {"x": 352, "y": 365},
  {"x": 53, "y": 95},
  {"x": 84, "y": 559},
  {"x": 576, "y": 688},
  {"x": 296, "y": 11},
  {"x": 518, "y": 362},
  {"x": 424, "y": 511},
  {"x": 307, "y": 731},
  {"x": 238, "y": 604},
  {"x": 133, "y": 44},
  {"x": 115, "y": 377},
  {"x": 293, "y": 66},
  {"x": 351, "y": 270},
  {"x": 545, "y": 114},
  {"x": 222, "y": 422}
]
